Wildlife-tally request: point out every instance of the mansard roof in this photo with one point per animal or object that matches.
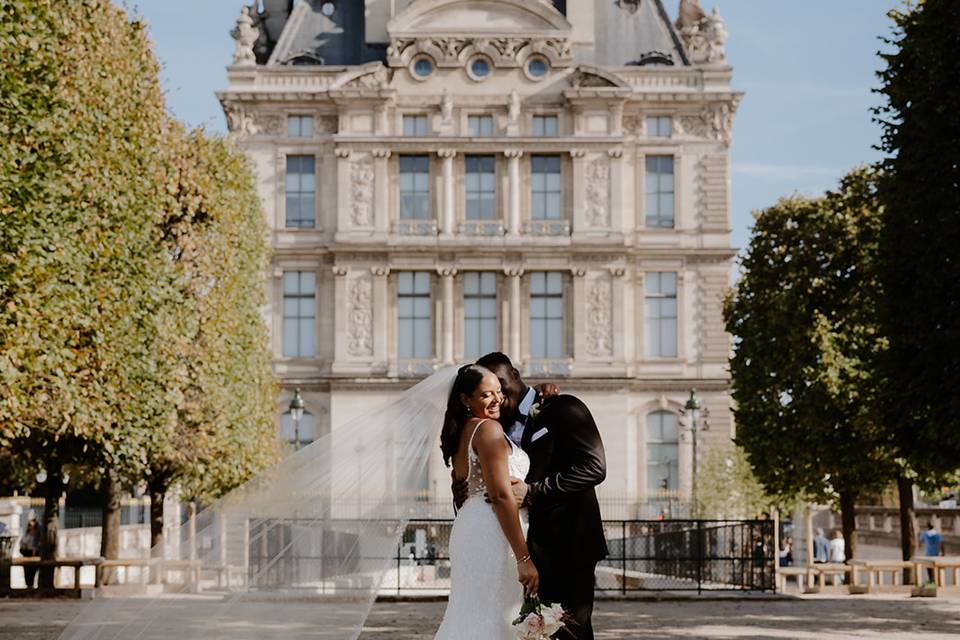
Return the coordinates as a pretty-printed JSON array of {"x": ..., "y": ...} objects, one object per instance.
[
  {"x": 634, "y": 32},
  {"x": 310, "y": 37}
]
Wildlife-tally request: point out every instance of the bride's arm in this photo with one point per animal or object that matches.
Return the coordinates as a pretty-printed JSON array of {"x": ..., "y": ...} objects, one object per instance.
[{"x": 494, "y": 451}]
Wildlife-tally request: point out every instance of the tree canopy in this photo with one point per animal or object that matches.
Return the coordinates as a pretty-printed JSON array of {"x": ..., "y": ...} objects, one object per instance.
[
  {"x": 132, "y": 258},
  {"x": 804, "y": 320},
  {"x": 919, "y": 265}
]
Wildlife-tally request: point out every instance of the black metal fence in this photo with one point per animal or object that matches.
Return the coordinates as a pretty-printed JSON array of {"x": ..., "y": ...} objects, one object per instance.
[{"x": 645, "y": 555}]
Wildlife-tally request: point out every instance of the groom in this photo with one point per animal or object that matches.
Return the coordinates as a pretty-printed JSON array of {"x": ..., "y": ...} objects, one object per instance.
[{"x": 566, "y": 463}]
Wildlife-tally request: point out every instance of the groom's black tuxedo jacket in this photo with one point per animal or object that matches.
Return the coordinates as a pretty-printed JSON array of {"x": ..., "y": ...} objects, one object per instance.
[{"x": 566, "y": 463}]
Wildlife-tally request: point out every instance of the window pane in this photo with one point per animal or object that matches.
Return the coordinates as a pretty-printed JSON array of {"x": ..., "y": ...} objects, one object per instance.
[{"x": 414, "y": 320}]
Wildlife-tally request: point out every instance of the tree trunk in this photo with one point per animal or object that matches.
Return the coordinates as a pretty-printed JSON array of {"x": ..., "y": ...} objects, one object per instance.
[
  {"x": 110, "y": 530},
  {"x": 158, "y": 491},
  {"x": 849, "y": 522},
  {"x": 53, "y": 489},
  {"x": 908, "y": 522}
]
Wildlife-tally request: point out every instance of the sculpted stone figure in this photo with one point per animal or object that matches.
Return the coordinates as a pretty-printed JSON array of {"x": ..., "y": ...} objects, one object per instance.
[
  {"x": 245, "y": 35},
  {"x": 703, "y": 34}
]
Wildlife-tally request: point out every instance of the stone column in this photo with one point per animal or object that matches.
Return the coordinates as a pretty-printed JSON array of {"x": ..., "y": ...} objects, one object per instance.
[
  {"x": 343, "y": 155},
  {"x": 382, "y": 309},
  {"x": 515, "y": 304},
  {"x": 447, "y": 274},
  {"x": 381, "y": 195},
  {"x": 340, "y": 315},
  {"x": 446, "y": 218},
  {"x": 579, "y": 222},
  {"x": 513, "y": 170}
]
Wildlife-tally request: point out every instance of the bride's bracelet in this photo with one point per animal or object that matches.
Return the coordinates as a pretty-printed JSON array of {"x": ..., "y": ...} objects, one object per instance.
[{"x": 524, "y": 559}]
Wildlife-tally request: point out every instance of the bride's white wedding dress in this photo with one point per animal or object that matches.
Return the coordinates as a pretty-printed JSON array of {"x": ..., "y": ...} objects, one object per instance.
[{"x": 485, "y": 595}]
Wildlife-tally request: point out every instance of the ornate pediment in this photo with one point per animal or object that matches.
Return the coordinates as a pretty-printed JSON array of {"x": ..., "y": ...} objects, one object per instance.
[
  {"x": 507, "y": 32},
  {"x": 588, "y": 76},
  {"x": 432, "y": 17}
]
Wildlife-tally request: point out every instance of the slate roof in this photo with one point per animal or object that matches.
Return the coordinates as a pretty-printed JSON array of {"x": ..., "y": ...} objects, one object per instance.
[{"x": 627, "y": 32}]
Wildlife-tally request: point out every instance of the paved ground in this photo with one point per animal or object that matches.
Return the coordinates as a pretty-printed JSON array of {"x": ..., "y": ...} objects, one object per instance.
[{"x": 820, "y": 617}]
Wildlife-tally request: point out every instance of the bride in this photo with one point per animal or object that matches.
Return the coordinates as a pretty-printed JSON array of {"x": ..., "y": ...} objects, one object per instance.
[{"x": 488, "y": 548}]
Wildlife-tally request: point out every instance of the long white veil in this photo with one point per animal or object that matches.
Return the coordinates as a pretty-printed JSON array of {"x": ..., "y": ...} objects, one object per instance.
[{"x": 299, "y": 551}]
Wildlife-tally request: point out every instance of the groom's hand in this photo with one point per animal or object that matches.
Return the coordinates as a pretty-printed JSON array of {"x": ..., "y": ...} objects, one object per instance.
[
  {"x": 547, "y": 390},
  {"x": 459, "y": 488},
  {"x": 519, "y": 489}
]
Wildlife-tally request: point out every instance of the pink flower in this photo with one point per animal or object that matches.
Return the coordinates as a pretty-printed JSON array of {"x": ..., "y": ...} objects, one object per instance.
[{"x": 534, "y": 624}]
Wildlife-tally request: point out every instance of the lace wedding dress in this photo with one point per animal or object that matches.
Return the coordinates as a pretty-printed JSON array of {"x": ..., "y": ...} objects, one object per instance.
[{"x": 485, "y": 595}]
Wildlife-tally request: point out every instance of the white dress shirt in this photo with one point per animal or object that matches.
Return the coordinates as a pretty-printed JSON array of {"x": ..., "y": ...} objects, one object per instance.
[{"x": 515, "y": 432}]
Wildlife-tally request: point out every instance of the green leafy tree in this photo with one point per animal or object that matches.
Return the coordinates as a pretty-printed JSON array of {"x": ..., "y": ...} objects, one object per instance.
[
  {"x": 731, "y": 489},
  {"x": 85, "y": 291},
  {"x": 225, "y": 429},
  {"x": 919, "y": 260},
  {"x": 804, "y": 320}
]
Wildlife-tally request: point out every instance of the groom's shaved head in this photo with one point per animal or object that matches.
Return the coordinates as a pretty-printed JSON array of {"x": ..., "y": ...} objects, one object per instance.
[{"x": 511, "y": 383}]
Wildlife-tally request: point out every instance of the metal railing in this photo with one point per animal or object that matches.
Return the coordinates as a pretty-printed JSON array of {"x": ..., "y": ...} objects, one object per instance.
[{"x": 645, "y": 555}]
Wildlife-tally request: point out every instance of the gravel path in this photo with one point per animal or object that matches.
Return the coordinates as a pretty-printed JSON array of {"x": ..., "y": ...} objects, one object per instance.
[{"x": 809, "y": 617}]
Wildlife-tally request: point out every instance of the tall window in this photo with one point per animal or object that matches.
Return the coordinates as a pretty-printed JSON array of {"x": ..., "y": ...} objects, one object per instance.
[
  {"x": 306, "y": 430},
  {"x": 661, "y": 314},
  {"x": 480, "y": 183},
  {"x": 480, "y": 126},
  {"x": 662, "y": 451},
  {"x": 659, "y": 191},
  {"x": 547, "y": 315},
  {"x": 659, "y": 126},
  {"x": 301, "y": 192},
  {"x": 479, "y": 313},
  {"x": 414, "y": 323},
  {"x": 299, "y": 314},
  {"x": 414, "y": 187},
  {"x": 415, "y": 126},
  {"x": 545, "y": 187},
  {"x": 545, "y": 126},
  {"x": 299, "y": 126}
]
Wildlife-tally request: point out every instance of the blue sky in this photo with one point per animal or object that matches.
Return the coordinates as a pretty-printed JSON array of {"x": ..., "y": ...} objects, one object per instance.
[{"x": 807, "y": 69}]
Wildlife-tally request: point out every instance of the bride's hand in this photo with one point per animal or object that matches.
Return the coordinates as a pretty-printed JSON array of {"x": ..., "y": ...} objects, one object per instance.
[{"x": 529, "y": 577}]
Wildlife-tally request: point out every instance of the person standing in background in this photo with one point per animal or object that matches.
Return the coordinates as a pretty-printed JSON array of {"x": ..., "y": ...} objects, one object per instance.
[
  {"x": 837, "y": 552},
  {"x": 821, "y": 548},
  {"x": 30, "y": 548},
  {"x": 931, "y": 544}
]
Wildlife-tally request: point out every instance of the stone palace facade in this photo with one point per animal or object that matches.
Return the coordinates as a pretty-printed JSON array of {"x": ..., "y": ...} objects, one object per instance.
[{"x": 443, "y": 178}]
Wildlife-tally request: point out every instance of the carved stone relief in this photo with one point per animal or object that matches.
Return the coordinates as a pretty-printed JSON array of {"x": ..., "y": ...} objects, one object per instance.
[
  {"x": 360, "y": 316},
  {"x": 599, "y": 318},
  {"x": 361, "y": 192},
  {"x": 240, "y": 122},
  {"x": 597, "y": 192},
  {"x": 714, "y": 122},
  {"x": 510, "y": 51}
]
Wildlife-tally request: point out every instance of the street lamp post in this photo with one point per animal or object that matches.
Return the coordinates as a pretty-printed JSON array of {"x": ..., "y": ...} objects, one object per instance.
[
  {"x": 296, "y": 412},
  {"x": 693, "y": 409}
]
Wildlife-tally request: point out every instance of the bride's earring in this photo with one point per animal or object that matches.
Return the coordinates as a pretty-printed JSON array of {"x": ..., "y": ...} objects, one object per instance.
[{"x": 469, "y": 410}]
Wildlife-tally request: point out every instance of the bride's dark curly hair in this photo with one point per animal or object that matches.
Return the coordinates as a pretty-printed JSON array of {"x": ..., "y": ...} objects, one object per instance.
[{"x": 468, "y": 379}]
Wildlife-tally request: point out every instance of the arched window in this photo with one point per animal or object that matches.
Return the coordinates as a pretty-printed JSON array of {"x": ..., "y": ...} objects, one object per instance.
[
  {"x": 308, "y": 428},
  {"x": 662, "y": 451}
]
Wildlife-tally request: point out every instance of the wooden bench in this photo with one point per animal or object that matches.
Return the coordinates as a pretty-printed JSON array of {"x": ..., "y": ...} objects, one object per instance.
[
  {"x": 784, "y": 573},
  {"x": 829, "y": 568},
  {"x": 940, "y": 566},
  {"x": 875, "y": 570},
  {"x": 75, "y": 563}
]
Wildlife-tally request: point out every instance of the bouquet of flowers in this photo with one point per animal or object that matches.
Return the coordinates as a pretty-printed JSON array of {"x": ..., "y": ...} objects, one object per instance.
[{"x": 538, "y": 620}]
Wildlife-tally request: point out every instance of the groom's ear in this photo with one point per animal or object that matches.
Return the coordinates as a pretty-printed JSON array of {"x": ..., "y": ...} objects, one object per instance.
[{"x": 516, "y": 374}]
